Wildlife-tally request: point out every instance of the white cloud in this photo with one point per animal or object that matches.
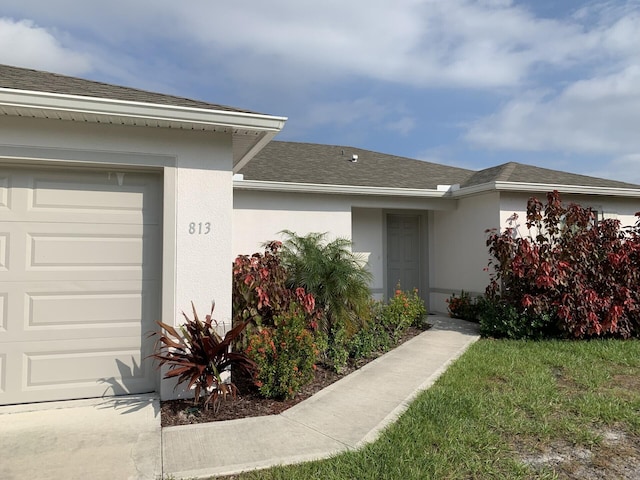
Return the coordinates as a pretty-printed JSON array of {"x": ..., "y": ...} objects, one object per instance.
[
  {"x": 421, "y": 43},
  {"x": 598, "y": 115},
  {"x": 452, "y": 43},
  {"x": 403, "y": 125},
  {"x": 24, "y": 44},
  {"x": 625, "y": 168}
]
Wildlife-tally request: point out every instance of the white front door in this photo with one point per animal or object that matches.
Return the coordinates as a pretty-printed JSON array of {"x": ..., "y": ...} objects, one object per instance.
[{"x": 403, "y": 252}]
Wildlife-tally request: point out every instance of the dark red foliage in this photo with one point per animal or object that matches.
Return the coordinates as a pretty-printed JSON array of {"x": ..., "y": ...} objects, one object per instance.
[
  {"x": 260, "y": 290},
  {"x": 583, "y": 272},
  {"x": 198, "y": 355}
]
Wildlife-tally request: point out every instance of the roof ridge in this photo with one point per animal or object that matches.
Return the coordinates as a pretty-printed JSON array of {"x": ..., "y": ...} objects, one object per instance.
[{"x": 506, "y": 171}]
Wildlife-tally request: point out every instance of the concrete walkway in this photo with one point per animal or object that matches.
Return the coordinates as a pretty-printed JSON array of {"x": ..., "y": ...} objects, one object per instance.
[
  {"x": 121, "y": 438},
  {"x": 345, "y": 415}
]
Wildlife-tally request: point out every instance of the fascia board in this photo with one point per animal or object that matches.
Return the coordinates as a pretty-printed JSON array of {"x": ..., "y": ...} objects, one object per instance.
[
  {"x": 547, "y": 187},
  {"x": 105, "y": 107},
  {"x": 336, "y": 189}
]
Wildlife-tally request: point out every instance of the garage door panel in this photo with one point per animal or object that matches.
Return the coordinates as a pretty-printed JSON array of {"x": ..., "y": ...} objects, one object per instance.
[
  {"x": 80, "y": 281},
  {"x": 83, "y": 310},
  {"x": 83, "y": 363},
  {"x": 3, "y": 312},
  {"x": 50, "y": 250},
  {"x": 34, "y": 252},
  {"x": 80, "y": 197},
  {"x": 3, "y": 373},
  {"x": 4, "y": 192},
  {"x": 4, "y": 251},
  {"x": 81, "y": 369},
  {"x": 78, "y": 310}
]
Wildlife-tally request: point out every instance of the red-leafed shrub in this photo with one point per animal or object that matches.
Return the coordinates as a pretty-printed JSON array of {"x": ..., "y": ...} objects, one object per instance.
[
  {"x": 260, "y": 290},
  {"x": 579, "y": 273},
  {"x": 197, "y": 355},
  {"x": 281, "y": 323}
]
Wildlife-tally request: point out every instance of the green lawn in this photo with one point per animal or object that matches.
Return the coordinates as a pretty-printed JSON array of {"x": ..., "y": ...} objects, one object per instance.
[{"x": 504, "y": 402}]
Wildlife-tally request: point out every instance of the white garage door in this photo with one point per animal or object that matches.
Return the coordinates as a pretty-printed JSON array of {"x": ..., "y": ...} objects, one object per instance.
[{"x": 80, "y": 268}]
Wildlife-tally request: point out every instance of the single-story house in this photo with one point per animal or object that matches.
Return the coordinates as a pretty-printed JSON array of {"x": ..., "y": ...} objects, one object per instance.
[
  {"x": 417, "y": 223},
  {"x": 119, "y": 207},
  {"x": 116, "y": 210}
]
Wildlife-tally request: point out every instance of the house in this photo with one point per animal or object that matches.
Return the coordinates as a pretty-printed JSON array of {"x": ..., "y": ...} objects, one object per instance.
[
  {"x": 115, "y": 212},
  {"x": 119, "y": 207},
  {"x": 417, "y": 223}
]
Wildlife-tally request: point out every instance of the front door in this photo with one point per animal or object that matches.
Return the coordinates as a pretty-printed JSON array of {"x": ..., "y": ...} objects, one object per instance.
[{"x": 403, "y": 252}]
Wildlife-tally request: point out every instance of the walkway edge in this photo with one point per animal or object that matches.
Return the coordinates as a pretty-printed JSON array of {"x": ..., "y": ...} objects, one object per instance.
[
  {"x": 373, "y": 435},
  {"x": 315, "y": 429}
]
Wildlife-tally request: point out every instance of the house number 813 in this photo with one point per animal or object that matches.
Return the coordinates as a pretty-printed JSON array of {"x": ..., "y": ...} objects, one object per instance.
[{"x": 199, "y": 228}]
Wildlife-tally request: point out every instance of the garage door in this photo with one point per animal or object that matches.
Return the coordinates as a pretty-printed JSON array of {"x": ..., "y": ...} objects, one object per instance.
[{"x": 80, "y": 258}]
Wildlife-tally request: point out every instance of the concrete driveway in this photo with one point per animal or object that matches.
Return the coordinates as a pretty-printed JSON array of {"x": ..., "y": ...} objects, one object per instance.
[{"x": 111, "y": 439}]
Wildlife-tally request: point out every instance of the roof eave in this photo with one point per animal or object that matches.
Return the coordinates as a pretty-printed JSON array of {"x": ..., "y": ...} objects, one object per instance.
[
  {"x": 269, "y": 186},
  {"x": 546, "y": 187},
  {"x": 104, "y": 110}
]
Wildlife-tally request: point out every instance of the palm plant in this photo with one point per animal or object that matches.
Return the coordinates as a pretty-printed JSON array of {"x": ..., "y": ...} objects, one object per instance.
[{"x": 337, "y": 277}]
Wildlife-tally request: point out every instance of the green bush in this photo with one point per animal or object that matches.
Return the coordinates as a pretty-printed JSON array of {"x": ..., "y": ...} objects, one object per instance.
[
  {"x": 464, "y": 307},
  {"x": 337, "y": 278},
  {"x": 370, "y": 339},
  {"x": 402, "y": 311},
  {"x": 499, "y": 319},
  {"x": 285, "y": 354},
  {"x": 388, "y": 324}
]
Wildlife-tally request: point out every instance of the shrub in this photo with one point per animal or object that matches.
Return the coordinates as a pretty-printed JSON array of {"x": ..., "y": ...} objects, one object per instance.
[
  {"x": 498, "y": 319},
  {"x": 339, "y": 282},
  {"x": 463, "y": 307},
  {"x": 372, "y": 338},
  {"x": 198, "y": 355},
  {"x": 260, "y": 290},
  {"x": 335, "y": 276},
  {"x": 285, "y": 354},
  {"x": 570, "y": 269},
  {"x": 388, "y": 323},
  {"x": 402, "y": 311}
]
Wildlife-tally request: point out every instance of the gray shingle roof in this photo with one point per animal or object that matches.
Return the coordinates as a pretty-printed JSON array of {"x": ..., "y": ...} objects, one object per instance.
[
  {"x": 38, "y": 81},
  {"x": 520, "y": 173},
  {"x": 330, "y": 165}
]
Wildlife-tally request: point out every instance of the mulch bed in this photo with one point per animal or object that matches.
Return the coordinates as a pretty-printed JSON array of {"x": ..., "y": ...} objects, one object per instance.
[{"x": 249, "y": 403}]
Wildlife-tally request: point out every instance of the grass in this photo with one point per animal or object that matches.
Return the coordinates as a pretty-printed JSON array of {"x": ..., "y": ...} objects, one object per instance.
[{"x": 500, "y": 402}]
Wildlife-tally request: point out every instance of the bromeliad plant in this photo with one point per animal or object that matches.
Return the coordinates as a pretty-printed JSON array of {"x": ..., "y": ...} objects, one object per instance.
[{"x": 197, "y": 355}]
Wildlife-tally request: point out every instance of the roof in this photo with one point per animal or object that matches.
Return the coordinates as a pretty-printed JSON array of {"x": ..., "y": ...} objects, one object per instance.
[
  {"x": 39, "y": 81},
  {"x": 316, "y": 164},
  {"x": 331, "y": 165},
  {"x": 36, "y": 94},
  {"x": 521, "y": 173}
]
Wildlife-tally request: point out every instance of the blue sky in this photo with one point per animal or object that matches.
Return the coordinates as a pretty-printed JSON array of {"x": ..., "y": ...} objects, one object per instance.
[{"x": 554, "y": 83}]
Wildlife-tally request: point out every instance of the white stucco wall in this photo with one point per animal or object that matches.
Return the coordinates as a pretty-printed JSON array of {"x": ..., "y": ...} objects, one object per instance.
[
  {"x": 259, "y": 217},
  {"x": 458, "y": 253},
  {"x": 367, "y": 229},
  {"x": 621, "y": 208},
  {"x": 196, "y": 169}
]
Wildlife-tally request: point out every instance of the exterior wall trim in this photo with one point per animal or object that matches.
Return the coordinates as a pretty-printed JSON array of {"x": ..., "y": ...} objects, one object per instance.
[
  {"x": 268, "y": 186},
  {"x": 545, "y": 187}
]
